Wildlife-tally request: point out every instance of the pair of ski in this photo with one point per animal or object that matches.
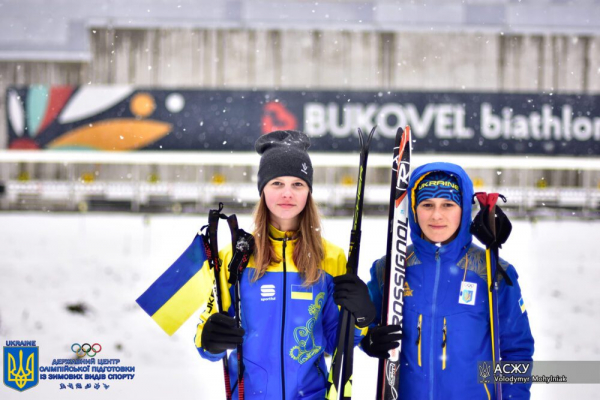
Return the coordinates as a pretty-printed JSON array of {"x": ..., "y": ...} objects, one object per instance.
[
  {"x": 243, "y": 247},
  {"x": 340, "y": 377},
  {"x": 342, "y": 365}
]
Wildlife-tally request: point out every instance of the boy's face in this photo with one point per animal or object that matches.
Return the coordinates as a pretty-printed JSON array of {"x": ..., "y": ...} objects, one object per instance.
[{"x": 439, "y": 219}]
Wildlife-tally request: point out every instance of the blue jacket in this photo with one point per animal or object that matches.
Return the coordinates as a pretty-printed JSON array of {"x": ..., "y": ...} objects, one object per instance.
[
  {"x": 288, "y": 327},
  {"x": 444, "y": 339}
]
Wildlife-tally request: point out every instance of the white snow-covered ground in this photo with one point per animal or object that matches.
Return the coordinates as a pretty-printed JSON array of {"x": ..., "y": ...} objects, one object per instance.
[{"x": 106, "y": 261}]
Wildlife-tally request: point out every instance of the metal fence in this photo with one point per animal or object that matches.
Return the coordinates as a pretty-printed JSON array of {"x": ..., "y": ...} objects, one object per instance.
[{"x": 194, "y": 182}]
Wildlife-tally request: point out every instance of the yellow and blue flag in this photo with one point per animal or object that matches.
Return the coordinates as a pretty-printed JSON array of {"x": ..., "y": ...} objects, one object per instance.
[
  {"x": 300, "y": 292},
  {"x": 180, "y": 290},
  {"x": 522, "y": 305}
]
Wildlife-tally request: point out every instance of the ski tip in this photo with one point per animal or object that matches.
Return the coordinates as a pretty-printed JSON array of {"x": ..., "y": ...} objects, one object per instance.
[
  {"x": 402, "y": 139},
  {"x": 406, "y": 132},
  {"x": 371, "y": 135},
  {"x": 361, "y": 138},
  {"x": 373, "y": 131},
  {"x": 364, "y": 147}
]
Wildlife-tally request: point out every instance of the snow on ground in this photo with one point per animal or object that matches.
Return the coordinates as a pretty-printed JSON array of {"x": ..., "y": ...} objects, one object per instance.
[{"x": 49, "y": 261}]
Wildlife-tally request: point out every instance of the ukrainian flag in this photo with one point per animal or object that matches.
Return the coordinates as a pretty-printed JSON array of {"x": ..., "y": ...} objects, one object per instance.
[
  {"x": 522, "y": 305},
  {"x": 180, "y": 290},
  {"x": 300, "y": 292}
]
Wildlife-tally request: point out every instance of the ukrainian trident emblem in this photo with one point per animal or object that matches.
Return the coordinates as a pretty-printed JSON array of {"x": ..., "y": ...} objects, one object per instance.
[
  {"x": 467, "y": 295},
  {"x": 21, "y": 367},
  {"x": 485, "y": 368}
]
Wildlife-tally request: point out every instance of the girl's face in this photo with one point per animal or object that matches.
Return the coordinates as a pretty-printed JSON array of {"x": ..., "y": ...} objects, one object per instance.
[
  {"x": 285, "y": 197},
  {"x": 439, "y": 219}
]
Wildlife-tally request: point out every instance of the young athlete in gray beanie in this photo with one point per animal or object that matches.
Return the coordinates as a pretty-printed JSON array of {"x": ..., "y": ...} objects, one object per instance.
[
  {"x": 283, "y": 153},
  {"x": 290, "y": 288}
]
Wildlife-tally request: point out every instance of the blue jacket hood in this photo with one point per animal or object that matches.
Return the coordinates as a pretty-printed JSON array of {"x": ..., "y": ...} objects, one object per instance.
[{"x": 463, "y": 240}]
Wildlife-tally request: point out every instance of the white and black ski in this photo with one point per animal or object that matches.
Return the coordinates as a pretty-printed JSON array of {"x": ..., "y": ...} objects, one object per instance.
[{"x": 388, "y": 378}]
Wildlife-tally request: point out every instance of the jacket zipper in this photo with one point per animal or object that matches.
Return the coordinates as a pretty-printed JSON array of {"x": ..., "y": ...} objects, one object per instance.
[
  {"x": 283, "y": 321},
  {"x": 433, "y": 306},
  {"x": 419, "y": 338},
  {"x": 444, "y": 342}
]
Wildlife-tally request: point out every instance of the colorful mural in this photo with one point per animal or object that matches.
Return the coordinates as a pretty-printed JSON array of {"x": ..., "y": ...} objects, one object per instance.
[{"x": 86, "y": 118}]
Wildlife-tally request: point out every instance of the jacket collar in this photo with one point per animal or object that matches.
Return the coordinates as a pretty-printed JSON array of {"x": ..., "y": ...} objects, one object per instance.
[{"x": 278, "y": 235}]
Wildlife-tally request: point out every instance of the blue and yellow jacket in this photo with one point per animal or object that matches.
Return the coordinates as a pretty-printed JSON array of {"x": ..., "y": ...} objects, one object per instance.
[
  {"x": 447, "y": 332},
  {"x": 288, "y": 326}
]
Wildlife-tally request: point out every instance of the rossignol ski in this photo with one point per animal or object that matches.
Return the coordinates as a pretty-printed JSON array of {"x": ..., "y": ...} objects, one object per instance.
[
  {"x": 340, "y": 375},
  {"x": 388, "y": 377}
]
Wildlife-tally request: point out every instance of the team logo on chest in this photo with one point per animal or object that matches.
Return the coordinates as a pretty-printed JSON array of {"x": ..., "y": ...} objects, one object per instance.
[
  {"x": 267, "y": 292},
  {"x": 468, "y": 291}
]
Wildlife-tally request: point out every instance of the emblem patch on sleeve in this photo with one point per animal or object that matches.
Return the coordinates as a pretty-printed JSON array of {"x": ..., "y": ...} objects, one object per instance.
[
  {"x": 522, "y": 305},
  {"x": 468, "y": 290}
]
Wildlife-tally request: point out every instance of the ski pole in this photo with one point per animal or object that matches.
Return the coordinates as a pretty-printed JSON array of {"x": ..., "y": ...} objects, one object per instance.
[
  {"x": 242, "y": 246},
  {"x": 340, "y": 377},
  {"x": 212, "y": 253},
  {"x": 485, "y": 230}
]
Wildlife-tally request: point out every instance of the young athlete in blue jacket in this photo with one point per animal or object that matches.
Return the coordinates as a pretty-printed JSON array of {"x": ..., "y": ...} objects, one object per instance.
[
  {"x": 289, "y": 297},
  {"x": 446, "y": 314}
]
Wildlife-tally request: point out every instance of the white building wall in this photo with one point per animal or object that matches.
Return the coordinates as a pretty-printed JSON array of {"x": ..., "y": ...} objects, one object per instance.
[{"x": 322, "y": 59}]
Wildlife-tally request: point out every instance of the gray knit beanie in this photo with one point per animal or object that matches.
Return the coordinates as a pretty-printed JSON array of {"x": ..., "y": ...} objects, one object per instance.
[{"x": 283, "y": 153}]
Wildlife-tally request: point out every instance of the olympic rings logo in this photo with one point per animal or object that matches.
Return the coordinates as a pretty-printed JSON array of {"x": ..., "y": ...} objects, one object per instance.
[{"x": 82, "y": 350}]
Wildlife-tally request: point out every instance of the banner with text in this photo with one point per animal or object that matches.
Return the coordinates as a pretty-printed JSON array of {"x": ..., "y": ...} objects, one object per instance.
[{"x": 116, "y": 118}]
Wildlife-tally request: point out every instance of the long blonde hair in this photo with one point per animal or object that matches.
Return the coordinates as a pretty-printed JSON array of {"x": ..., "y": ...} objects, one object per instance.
[{"x": 309, "y": 251}]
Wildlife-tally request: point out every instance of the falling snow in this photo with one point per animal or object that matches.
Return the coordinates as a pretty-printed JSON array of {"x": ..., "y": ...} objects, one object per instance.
[{"x": 106, "y": 261}]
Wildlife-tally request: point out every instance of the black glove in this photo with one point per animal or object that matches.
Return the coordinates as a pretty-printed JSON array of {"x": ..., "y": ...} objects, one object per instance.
[
  {"x": 480, "y": 227},
  {"x": 220, "y": 333},
  {"x": 380, "y": 340},
  {"x": 352, "y": 294}
]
